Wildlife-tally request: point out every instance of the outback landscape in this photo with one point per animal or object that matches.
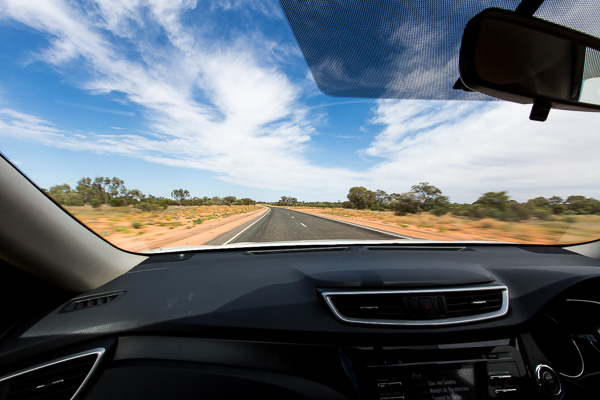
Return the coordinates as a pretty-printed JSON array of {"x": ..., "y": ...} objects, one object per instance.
[
  {"x": 138, "y": 222},
  {"x": 562, "y": 230},
  {"x": 136, "y": 230}
]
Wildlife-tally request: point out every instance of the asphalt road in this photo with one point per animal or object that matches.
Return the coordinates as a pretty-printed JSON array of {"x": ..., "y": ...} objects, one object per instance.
[{"x": 280, "y": 224}]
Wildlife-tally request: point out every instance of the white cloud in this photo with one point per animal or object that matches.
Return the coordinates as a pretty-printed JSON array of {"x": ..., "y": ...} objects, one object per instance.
[
  {"x": 24, "y": 126},
  {"x": 469, "y": 148}
]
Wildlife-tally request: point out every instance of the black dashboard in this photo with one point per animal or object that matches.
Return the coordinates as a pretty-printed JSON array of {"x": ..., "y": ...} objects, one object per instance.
[{"x": 258, "y": 323}]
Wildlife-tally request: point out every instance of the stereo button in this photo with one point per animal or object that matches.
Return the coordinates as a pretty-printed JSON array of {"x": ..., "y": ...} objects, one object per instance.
[
  {"x": 500, "y": 376},
  {"x": 388, "y": 384},
  {"x": 498, "y": 391}
]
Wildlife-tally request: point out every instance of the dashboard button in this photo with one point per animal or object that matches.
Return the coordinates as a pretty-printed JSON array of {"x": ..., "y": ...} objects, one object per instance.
[
  {"x": 548, "y": 380},
  {"x": 500, "y": 377},
  {"x": 426, "y": 306},
  {"x": 501, "y": 369},
  {"x": 389, "y": 384},
  {"x": 509, "y": 390}
]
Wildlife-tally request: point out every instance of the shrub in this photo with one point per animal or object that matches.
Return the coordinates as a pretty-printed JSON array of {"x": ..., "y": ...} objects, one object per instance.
[
  {"x": 73, "y": 199},
  {"x": 544, "y": 214},
  {"x": 438, "y": 211},
  {"x": 95, "y": 203},
  {"x": 165, "y": 203},
  {"x": 406, "y": 203},
  {"x": 198, "y": 221},
  {"x": 116, "y": 202},
  {"x": 146, "y": 206},
  {"x": 347, "y": 204},
  {"x": 136, "y": 225}
]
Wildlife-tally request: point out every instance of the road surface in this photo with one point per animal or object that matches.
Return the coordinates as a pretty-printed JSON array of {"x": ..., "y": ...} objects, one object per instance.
[{"x": 280, "y": 224}]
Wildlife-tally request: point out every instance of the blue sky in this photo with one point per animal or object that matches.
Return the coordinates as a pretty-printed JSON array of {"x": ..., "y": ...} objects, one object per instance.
[{"x": 215, "y": 97}]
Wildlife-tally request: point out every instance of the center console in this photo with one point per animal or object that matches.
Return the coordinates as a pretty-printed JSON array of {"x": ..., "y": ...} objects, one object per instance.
[{"x": 450, "y": 372}]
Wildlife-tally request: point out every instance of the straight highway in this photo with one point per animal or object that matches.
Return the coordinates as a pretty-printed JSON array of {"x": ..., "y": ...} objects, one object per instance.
[{"x": 280, "y": 224}]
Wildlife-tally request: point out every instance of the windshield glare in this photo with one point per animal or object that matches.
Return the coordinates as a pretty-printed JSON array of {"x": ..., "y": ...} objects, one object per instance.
[{"x": 184, "y": 124}]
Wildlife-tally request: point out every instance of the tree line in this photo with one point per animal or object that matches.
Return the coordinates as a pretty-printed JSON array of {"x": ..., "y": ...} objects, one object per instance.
[
  {"x": 422, "y": 197},
  {"x": 113, "y": 192},
  {"x": 425, "y": 197}
]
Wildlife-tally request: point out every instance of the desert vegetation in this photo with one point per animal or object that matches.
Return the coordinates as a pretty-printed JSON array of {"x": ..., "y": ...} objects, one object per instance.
[
  {"x": 131, "y": 221},
  {"x": 563, "y": 229},
  {"x": 426, "y": 213},
  {"x": 113, "y": 192},
  {"x": 108, "y": 207}
]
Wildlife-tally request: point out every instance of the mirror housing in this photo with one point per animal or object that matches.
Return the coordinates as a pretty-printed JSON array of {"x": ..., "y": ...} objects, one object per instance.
[{"x": 528, "y": 60}]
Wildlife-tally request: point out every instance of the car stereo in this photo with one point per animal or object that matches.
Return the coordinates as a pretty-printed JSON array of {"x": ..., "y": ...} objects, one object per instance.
[{"x": 438, "y": 373}]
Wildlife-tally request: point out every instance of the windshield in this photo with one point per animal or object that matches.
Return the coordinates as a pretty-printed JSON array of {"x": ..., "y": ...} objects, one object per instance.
[{"x": 161, "y": 124}]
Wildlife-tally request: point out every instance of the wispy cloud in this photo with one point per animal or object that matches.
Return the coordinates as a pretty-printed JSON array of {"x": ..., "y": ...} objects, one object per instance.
[
  {"x": 99, "y": 109},
  {"x": 25, "y": 126},
  {"x": 225, "y": 107}
]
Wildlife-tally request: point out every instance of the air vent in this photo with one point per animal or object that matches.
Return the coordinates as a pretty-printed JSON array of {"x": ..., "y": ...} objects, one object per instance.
[
  {"x": 420, "y": 248},
  {"x": 92, "y": 301},
  {"x": 419, "y": 307},
  {"x": 473, "y": 302},
  {"x": 57, "y": 380},
  {"x": 300, "y": 250}
]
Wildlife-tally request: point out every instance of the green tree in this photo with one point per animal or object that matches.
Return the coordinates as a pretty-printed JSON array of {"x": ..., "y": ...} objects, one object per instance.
[
  {"x": 557, "y": 204},
  {"x": 134, "y": 195},
  {"x": 429, "y": 196},
  {"x": 287, "y": 201},
  {"x": 85, "y": 190},
  {"x": 180, "y": 194},
  {"x": 361, "y": 197},
  {"x": 100, "y": 189},
  {"x": 494, "y": 200},
  {"x": 60, "y": 193},
  {"x": 554, "y": 200},
  {"x": 538, "y": 202},
  {"x": 229, "y": 200},
  {"x": 406, "y": 203},
  {"x": 382, "y": 199},
  {"x": 582, "y": 205},
  {"x": 116, "y": 188},
  {"x": 74, "y": 199}
]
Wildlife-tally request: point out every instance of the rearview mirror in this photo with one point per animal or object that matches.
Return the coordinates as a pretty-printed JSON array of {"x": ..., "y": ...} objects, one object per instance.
[{"x": 528, "y": 60}]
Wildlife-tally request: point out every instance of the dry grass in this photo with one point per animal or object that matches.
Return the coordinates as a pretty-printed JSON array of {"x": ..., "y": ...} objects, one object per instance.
[
  {"x": 562, "y": 230},
  {"x": 109, "y": 221}
]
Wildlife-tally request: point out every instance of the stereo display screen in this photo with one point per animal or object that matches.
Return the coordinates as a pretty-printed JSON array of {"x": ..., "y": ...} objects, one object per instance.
[{"x": 444, "y": 384}]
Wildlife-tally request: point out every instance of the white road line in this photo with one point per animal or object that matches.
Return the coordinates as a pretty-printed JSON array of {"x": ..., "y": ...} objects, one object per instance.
[
  {"x": 248, "y": 227},
  {"x": 360, "y": 226},
  {"x": 302, "y": 224}
]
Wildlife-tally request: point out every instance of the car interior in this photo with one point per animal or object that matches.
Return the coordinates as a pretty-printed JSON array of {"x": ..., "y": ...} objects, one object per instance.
[{"x": 351, "y": 319}]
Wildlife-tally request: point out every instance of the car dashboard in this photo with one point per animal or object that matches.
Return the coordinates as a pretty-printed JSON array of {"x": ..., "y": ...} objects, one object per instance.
[{"x": 356, "y": 321}]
